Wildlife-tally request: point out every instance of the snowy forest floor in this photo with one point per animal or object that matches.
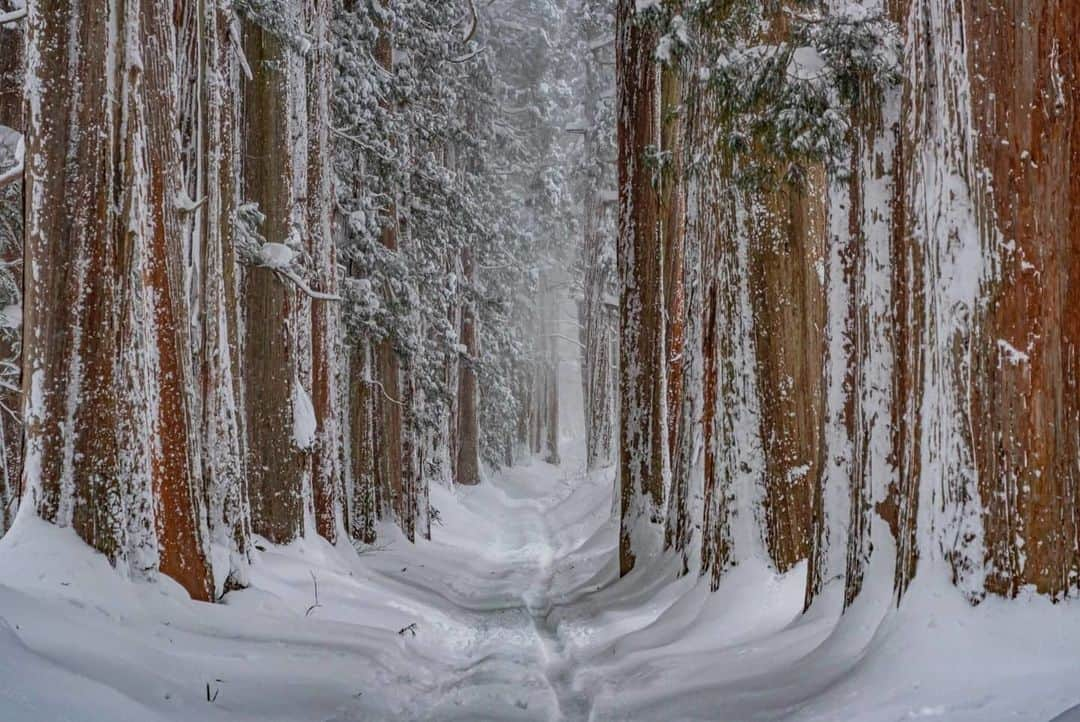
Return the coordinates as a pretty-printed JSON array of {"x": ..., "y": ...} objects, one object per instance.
[{"x": 512, "y": 612}]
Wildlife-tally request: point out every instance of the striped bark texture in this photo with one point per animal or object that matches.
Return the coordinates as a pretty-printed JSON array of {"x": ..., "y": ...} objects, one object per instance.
[
  {"x": 112, "y": 451},
  {"x": 643, "y": 452},
  {"x": 276, "y": 466}
]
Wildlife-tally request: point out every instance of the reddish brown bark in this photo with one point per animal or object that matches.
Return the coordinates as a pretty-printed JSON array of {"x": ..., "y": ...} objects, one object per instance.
[
  {"x": 787, "y": 233},
  {"x": 325, "y": 462},
  {"x": 642, "y": 376},
  {"x": 1024, "y": 62},
  {"x": 673, "y": 210},
  {"x": 175, "y": 476},
  {"x": 104, "y": 241}
]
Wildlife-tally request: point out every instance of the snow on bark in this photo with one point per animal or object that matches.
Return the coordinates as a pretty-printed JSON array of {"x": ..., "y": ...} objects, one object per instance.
[
  {"x": 857, "y": 482},
  {"x": 274, "y": 322},
  {"x": 326, "y": 471},
  {"x": 12, "y": 205},
  {"x": 364, "y": 497},
  {"x": 1022, "y": 62},
  {"x": 224, "y": 455},
  {"x": 643, "y": 439},
  {"x": 111, "y": 445},
  {"x": 467, "y": 461},
  {"x": 943, "y": 270}
]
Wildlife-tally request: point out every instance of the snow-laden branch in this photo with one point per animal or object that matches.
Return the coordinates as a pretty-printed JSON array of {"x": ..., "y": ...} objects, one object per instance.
[
  {"x": 12, "y": 15},
  {"x": 308, "y": 290},
  {"x": 279, "y": 257}
]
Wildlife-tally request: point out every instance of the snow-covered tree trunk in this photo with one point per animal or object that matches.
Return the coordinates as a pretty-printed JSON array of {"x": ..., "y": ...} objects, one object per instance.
[
  {"x": 951, "y": 428},
  {"x": 785, "y": 229},
  {"x": 278, "y": 412},
  {"x": 224, "y": 456},
  {"x": 1024, "y": 66},
  {"x": 643, "y": 444},
  {"x": 11, "y": 250},
  {"x": 111, "y": 450},
  {"x": 365, "y": 503},
  {"x": 734, "y": 457},
  {"x": 326, "y": 470},
  {"x": 856, "y": 481},
  {"x": 687, "y": 492},
  {"x": 988, "y": 477},
  {"x": 673, "y": 230},
  {"x": 390, "y": 402},
  {"x": 598, "y": 322},
  {"x": 467, "y": 464}
]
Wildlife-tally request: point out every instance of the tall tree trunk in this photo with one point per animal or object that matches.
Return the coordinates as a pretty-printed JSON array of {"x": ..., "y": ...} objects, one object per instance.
[
  {"x": 111, "y": 446},
  {"x": 271, "y": 356},
  {"x": 468, "y": 426},
  {"x": 365, "y": 504},
  {"x": 326, "y": 459},
  {"x": 786, "y": 231},
  {"x": 643, "y": 452},
  {"x": 224, "y": 453},
  {"x": 391, "y": 403},
  {"x": 12, "y": 82},
  {"x": 598, "y": 322},
  {"x": 1024, "y": 66},
  {"x": 991, "y": 251},
  {"x": 673, "y": 212}
]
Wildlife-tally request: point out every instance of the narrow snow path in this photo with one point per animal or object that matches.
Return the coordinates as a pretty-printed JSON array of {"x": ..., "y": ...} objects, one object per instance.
[{"x": 518, "y": 654}]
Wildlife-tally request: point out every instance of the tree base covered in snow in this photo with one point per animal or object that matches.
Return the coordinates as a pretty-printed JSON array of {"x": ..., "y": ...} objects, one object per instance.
[{"x": 511, "y": 612}]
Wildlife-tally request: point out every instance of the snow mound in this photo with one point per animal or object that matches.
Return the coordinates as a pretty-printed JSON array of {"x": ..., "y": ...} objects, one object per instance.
[{"x": 512, "y": 612}]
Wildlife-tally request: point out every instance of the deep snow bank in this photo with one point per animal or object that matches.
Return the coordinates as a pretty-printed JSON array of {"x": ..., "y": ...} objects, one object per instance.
[{"x": 512, "y": 612}]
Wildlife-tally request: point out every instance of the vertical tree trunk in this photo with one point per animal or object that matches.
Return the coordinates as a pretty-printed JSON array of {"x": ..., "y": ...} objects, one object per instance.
[
  {"x": 390, "y": 402},
  {"x": 276, "y": 465},
  {"x": 326, "y": 463},
  {"x": 643, "y": 458},
  {"x": 598, "y": 320},
  {"x": 1024, "y": 66},
  {"x": 11, "y": 250},
  {"x": 673, "y": 210},
  {"x": 365, "y": 504},
  {"x": 468, "y": 431},
  {"x": 224, "y": 454},
  {"x": 111, "y": 447},
  {"x": 786, "y": 231}
]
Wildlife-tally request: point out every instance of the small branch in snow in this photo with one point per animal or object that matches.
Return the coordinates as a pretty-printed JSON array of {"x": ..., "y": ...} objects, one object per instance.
[
  {"x": 316, "y": 605},
  {"x": 411, "y": 629},
  {"x": 566, "y": 338}
]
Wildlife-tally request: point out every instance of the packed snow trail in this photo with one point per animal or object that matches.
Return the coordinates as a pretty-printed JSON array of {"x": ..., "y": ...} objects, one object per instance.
[{"x": 511, "y": 613}]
